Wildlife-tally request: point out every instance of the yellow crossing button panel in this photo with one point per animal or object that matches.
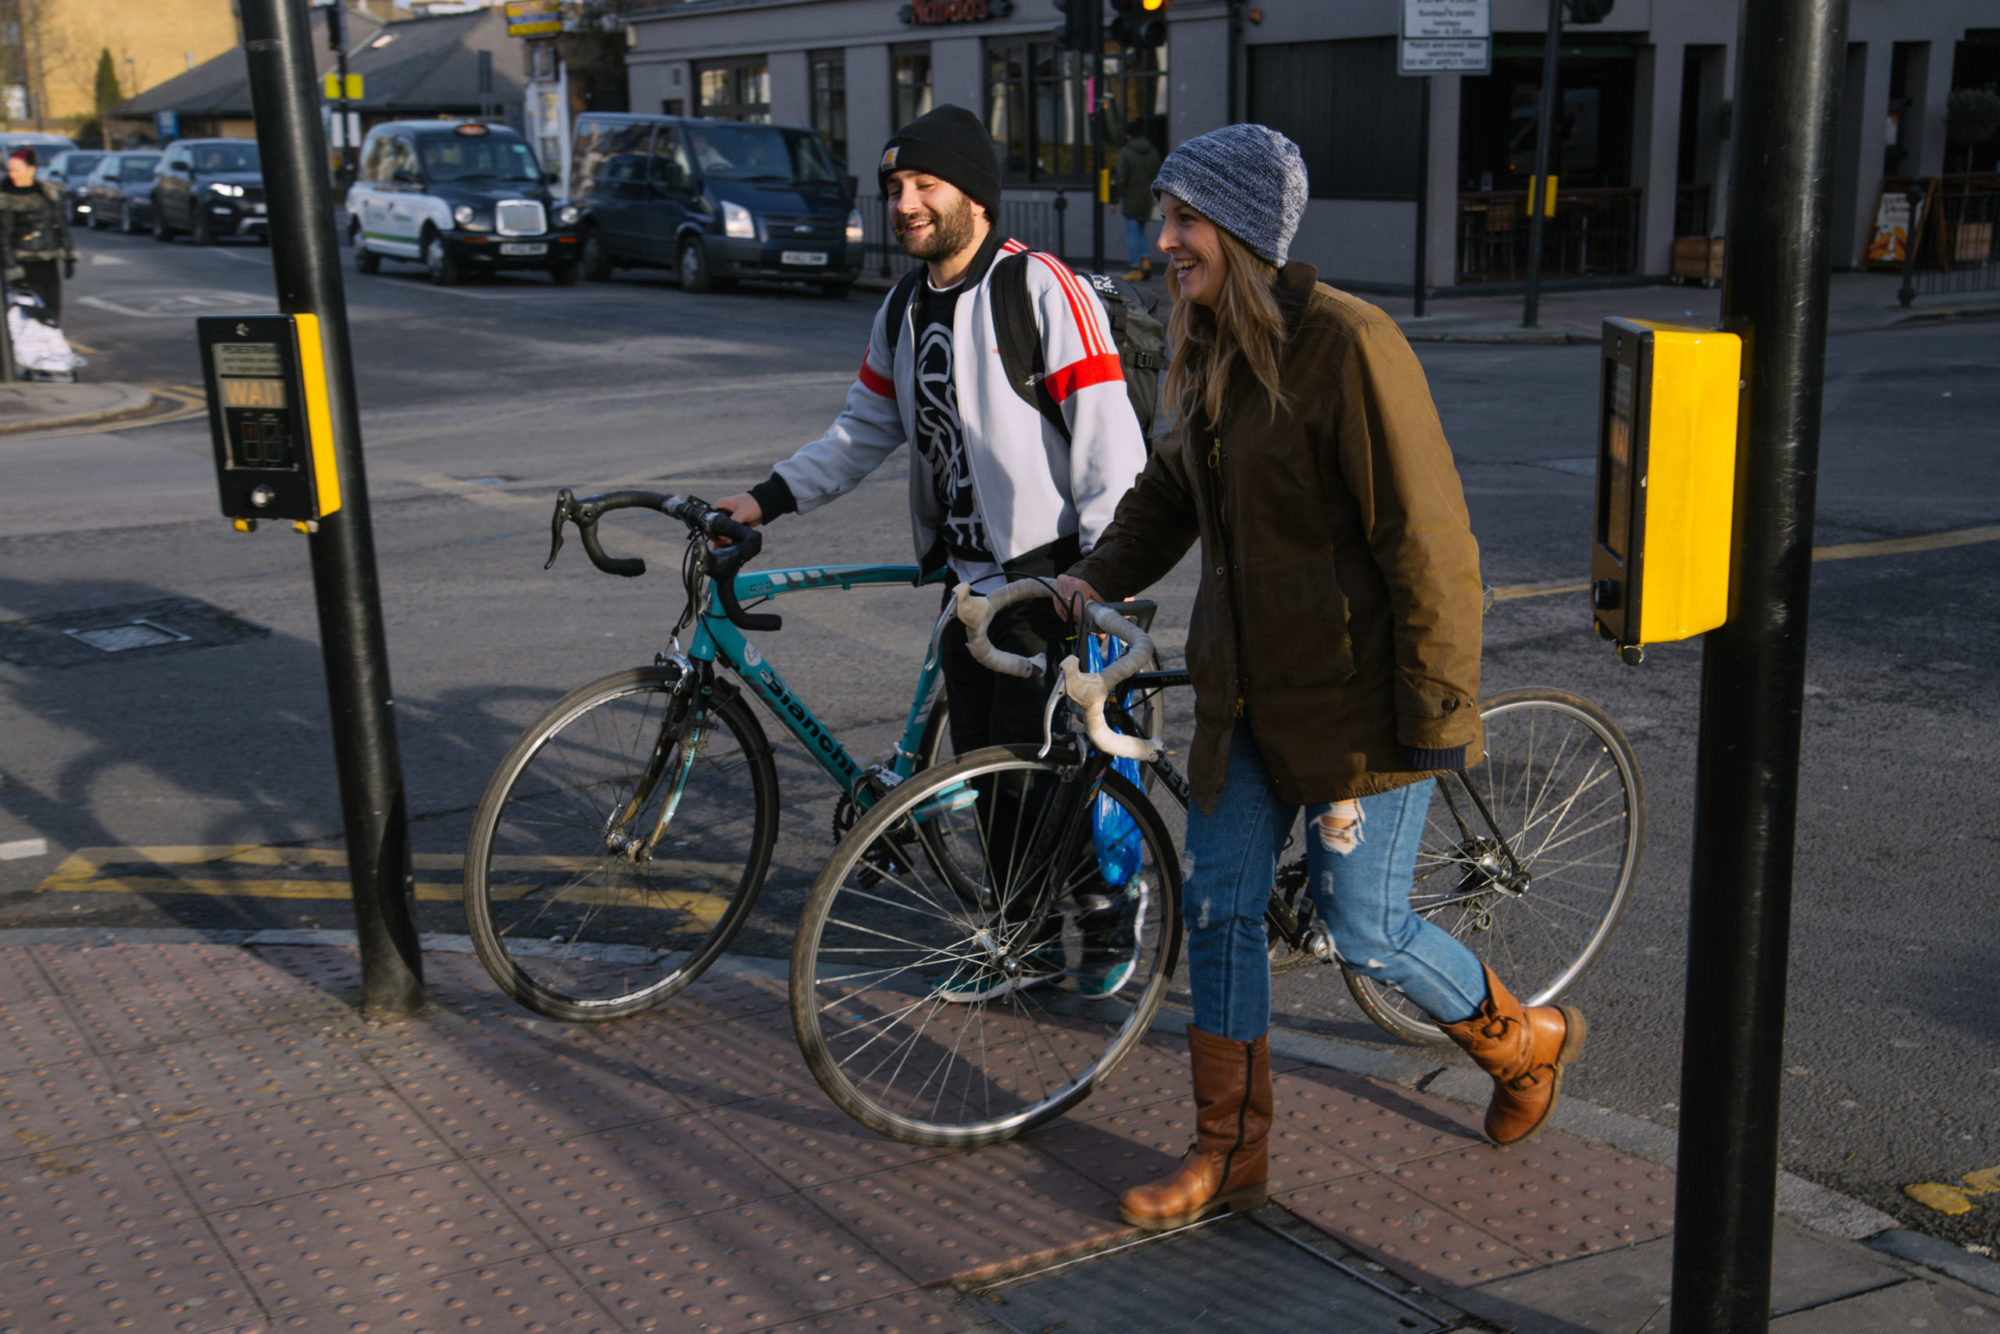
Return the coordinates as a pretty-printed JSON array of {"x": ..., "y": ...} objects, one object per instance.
[
  {"x": 269, "y": 413},
  {"x": 1666, "y": 481}
]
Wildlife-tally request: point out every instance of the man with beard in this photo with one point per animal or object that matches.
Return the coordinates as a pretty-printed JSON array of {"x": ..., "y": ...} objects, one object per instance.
[{"x": 999, "y": 486}]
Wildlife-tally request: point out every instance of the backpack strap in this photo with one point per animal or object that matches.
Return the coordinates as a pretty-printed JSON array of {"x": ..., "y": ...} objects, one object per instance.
[
  {"x": 900, "y": 297},
  {"x": 1019, "y": 334}
]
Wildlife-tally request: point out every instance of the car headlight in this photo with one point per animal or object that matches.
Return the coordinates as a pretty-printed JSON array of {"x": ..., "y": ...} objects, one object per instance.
[
  {"x": 466, "y": 216},
  {"x": 737, "y": 222},
  {"x": 567, "y": 215},
  {"x": 854, "y": 233},
  {"x": 228, "y": 191}
]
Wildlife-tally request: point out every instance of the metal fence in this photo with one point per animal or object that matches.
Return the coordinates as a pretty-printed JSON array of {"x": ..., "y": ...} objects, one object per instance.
[
  {"x": 1593, "y": 233},
  {"x": 1963, "y": 254},
  {"x": 1037, "y": 223}
]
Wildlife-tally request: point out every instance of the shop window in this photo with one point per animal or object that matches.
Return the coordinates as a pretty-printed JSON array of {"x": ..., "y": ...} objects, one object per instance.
[
  {"x": 828, "y": 74},
  {"x": 1499, "y": 117},
  {"x": 736, "y": 89},
  {"x": 912, "y": 84},
  {"x": 1352, "y": 115},
  {"x": 1036, "y": 106}
]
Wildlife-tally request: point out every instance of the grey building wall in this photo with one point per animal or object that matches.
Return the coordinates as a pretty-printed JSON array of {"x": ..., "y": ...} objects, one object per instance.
[{"x": 1366, "y": 242}]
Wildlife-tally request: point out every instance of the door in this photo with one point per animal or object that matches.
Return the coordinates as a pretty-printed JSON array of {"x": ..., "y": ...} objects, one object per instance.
[
  {"x": 619, "y": 190},
  {"x": 170, "y": 195},
  {"x": 667, "y": 177},
  {"x": 402, "y": 191}
]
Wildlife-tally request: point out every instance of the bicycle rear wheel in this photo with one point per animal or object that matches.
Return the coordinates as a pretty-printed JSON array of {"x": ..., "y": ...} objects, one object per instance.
[
  {"x": 614, "y": 855},
  {"x": 1536, "y": 880},
  {"x": 938, "y": 1021}
]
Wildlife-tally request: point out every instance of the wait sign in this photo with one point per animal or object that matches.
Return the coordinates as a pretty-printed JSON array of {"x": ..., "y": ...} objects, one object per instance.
[{"x": 1446, "y": 37}]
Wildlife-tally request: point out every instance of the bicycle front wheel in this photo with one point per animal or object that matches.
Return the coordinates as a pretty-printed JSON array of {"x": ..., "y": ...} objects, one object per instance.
[
  {"x": 617, "y": 851},
  {"x": 953, "y": 1014},
  {"x": 1528, "y": 858}
]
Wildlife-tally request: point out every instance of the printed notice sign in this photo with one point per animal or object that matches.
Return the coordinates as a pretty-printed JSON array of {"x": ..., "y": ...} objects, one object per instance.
[{"x": 1446, "y": 37}]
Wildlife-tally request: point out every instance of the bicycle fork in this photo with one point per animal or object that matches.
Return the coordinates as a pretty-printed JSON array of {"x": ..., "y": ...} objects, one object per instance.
[{"x": 682, "y": 728}]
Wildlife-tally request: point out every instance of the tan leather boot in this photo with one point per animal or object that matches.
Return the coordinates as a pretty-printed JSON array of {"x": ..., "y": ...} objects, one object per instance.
[
  {"x": 1226, "y": 1168},
  {"x": 1525, "y": 1052},
  {"x": 1139, "y": 272}
]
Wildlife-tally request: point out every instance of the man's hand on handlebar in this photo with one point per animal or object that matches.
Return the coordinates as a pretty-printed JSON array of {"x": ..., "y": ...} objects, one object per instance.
[
  {"x": 742, "y": 508},
  {"x": 1072, "y": 593}
]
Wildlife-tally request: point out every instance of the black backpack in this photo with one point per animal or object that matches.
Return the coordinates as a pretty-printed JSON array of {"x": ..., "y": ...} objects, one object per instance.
[{"x": 1136, "y": 331}]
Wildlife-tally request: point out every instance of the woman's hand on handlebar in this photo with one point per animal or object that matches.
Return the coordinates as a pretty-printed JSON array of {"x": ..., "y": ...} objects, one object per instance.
[
  {"x": 1072, "y": 593},
  {"x": 742, "y": 508}
]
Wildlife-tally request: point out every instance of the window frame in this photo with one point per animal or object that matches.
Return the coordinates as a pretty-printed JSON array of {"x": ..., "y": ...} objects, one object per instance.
[
  {"x": 828, "y": 114},
  {"x": 898, "y": 88},
  {"x": 1033, "y": 157},
  {"x": 735, "y": 67}
]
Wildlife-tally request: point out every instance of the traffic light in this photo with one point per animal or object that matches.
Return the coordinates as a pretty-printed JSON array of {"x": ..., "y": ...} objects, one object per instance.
[
  {"x": 1587, "y": 11},
  {"x": 1081, "y": 24},
  {"x": 1138, "y": 24}
]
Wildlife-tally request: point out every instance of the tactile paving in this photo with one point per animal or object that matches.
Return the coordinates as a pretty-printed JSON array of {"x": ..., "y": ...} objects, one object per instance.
[
  {"x": 239, "y": 1070},
  {"x": 577, "y": 1190},
  {"x": 45, "y": 1106},
  {"x": 70, "y": 1195},
  {"x": 808, "y": 1141},
  {"x": 531, "y": 1296},
  {"x": 1376, "y": 1125},
  {"x": 1554, "y": 1199},
  {"x": 492, "y": 1089},
  {"x": 969, "y": 1212},
  {"x": 332, "y": 971},
  {"x": 360, "y": 1242},
  {"x": 710, "y": 1065},
  {"x": 766, "y": 1264},
  {"x": 173, "y": 1279},
  {"x": 35, "y": 1026},
  {"x": 905, "y": 1313},
  {"x": 231, "y": 1161},
  {"x": 1418, "y": 1239}
]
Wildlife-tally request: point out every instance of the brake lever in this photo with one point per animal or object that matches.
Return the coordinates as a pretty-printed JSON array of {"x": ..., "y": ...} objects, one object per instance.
[{"x": 565, "y": 509}]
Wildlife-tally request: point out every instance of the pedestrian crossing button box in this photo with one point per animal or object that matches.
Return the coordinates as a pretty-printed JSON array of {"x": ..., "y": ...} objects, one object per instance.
[
  {"x": 267, "y": 410},
  {"x": 1666, "y": 482}
]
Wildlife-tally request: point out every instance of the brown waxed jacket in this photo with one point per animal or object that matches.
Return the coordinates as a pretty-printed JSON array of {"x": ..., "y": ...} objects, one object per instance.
[{"x": 1339, "y": 606}]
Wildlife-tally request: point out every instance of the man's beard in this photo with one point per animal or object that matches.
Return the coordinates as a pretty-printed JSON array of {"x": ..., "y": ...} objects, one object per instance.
[{"x": 951, "y": 232}]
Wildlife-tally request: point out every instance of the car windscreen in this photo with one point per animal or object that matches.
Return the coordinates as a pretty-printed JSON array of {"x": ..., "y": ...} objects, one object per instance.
[
  {"x": 732, "y": 152},
  {"x": 225, "y": 157},
  {"x": 76, "y": 166},
  {"x": 468, "y": 158},
  {"x": 138, "y": 167}
]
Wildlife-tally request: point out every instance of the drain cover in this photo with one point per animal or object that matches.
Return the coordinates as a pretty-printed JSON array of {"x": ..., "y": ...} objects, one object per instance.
[
  {"x": 131, "y": 635},
  {"x": 1265, "y": 1274},
  {"x": 135, "y": 630}
]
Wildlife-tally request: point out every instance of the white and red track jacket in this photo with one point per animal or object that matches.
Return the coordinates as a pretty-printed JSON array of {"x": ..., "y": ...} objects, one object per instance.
[{"x": 1032, "y": 486}]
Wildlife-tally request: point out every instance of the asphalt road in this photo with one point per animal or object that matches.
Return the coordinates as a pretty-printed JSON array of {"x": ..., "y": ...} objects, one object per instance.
[{"x": 478, "y": 402}]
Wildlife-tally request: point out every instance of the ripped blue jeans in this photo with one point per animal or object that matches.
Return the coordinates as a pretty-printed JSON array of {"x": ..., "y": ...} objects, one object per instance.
[{"x": 1361, "y": 893}]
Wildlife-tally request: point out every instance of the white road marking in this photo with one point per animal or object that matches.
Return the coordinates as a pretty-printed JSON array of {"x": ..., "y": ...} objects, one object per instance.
[
  {"x": 174, "y": 305},
  {"x": 23, "y": 847},
  {"x": 98, "y": 259}
]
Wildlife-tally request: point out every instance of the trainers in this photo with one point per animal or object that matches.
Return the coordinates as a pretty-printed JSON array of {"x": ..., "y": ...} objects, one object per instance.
[
  {"x": 1110, "y": 929},
  {"x": 973, "y": 982}
]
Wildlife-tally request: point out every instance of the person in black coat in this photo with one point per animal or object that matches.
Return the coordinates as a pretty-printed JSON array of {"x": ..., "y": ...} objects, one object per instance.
[{"x": 36, "y": 220}]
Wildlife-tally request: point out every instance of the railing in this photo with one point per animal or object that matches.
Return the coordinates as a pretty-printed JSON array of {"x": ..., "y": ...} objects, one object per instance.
[
  {"x": 1969, "y": 258},
  {"x": 1037, "y": 223},
  {"x": 1691, "y": 210},
  {"x": 1593, "y": 233}
]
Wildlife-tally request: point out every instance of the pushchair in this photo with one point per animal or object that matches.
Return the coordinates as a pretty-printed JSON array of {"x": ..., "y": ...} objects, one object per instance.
[{"x": 40, "y": 350}]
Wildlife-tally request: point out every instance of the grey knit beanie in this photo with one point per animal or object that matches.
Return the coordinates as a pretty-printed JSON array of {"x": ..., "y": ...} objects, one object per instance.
[{"x": 1248, "y": 180}]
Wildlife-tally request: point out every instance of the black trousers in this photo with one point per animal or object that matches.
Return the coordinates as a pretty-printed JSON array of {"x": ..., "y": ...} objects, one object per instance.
[{"x": 45, "y": 277}]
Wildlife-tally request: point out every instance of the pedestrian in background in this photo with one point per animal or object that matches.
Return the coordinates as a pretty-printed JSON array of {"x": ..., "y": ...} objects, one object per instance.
[
  {"x": 37, "y": 223},
  {"x": 1334, "y": 652},
  {"x": 1132, "y": 190}
]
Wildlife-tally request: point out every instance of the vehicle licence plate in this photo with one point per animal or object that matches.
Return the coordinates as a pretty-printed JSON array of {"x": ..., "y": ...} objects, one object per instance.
[
  {"x": 813, "y": 258},
  {"x": 257, "y": 209},
  {"x": 524, "y": 248}
]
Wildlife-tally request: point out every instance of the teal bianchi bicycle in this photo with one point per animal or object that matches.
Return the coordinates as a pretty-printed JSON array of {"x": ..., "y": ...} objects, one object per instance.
[{"x": 623, "y": 839}]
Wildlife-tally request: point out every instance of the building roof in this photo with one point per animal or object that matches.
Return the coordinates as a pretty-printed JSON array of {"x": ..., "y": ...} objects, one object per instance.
[{"x": 421, "y": 65}]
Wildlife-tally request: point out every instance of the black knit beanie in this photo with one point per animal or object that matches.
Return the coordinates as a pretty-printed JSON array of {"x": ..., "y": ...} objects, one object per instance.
[{"x": 950, "y": 143}]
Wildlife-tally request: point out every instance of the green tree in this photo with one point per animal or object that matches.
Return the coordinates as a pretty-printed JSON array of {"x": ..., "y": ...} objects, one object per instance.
[{"x": 108, "y": 95}]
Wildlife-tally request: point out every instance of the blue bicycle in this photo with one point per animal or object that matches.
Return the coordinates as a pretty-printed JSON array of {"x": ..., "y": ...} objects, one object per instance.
[{"x": 623, "y": 840}]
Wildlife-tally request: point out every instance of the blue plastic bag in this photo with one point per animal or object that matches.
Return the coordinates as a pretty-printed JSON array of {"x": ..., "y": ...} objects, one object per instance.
[{"x": 1112, "y": 827}]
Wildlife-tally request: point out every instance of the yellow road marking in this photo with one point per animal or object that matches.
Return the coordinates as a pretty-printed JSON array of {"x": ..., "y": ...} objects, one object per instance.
[
  {"x": 1888, "y": 546},
  {"x": 165, "y": 869},
  {"x": 1956, "y": 1199}
]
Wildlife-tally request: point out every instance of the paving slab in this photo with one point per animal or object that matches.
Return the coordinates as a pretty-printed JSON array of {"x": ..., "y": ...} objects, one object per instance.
[{"x": 1910, "y": 1305}]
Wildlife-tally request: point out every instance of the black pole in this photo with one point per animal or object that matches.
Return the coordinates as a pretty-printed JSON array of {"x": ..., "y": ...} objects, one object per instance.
[
  {"x": 1423, "y": 193},
  {"x": 306, "y": 260},
  {"x": 8, "y": 371},
  {"x": 1545, "y": 137},
  {"x": 1790, "y": 54},
  {"x": 1097, "y": 136},
  {"x": 336, "y": 37}
]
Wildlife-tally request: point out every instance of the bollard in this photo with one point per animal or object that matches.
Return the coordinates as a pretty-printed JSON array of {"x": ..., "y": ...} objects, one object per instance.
[{"x": 1907, "y": 293}]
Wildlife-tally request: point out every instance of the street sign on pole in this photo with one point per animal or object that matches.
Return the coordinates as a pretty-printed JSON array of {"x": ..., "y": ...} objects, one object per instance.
[
  {"x": 1446, "y": 37},
  {"x": 534, "y": 18}
]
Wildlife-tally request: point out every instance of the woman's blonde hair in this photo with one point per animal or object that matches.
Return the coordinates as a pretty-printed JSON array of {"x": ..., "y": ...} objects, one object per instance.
[{"x": 1244, "y": 325}]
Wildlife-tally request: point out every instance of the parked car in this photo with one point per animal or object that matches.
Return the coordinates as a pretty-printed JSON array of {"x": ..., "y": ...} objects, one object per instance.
[
  {"x": 209, "y": 188},
  {"x": 46, "y": 146},
  {"x": 121, "y": 191},
  {"x": 713, "y": 200},
  {"x": 71, "y": 170},
  {"x": 457, "y": 197}
]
